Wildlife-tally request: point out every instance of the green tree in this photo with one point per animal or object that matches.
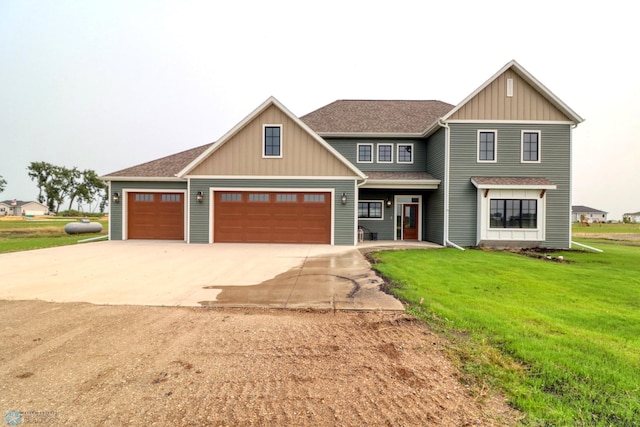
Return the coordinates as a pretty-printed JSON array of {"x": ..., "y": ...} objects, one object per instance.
[
  {"x": 90, "y": 189},
  {"x": 3, "y": 184},
  {"x": 57, "y": 184}
]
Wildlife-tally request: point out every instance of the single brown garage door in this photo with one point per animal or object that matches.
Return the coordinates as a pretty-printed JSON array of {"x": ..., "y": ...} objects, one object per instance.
[
  {"x": 272, "y": 217},
  {"x": 157, "y": 216}
]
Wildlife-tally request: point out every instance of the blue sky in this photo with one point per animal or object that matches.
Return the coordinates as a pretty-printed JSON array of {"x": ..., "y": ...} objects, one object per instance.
[{"x": 105, "y": 85}]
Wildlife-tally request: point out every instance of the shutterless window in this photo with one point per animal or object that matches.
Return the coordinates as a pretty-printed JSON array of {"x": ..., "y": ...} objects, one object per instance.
[
  {"x": 314, "y": 198},
  {"x": 514, "y": 213},
  {"x": 530, "y": 146},
  {"x": 486, "y": 146},
  {"x": 170, "y": 197},
  {"x": 231, "y": 197},
  {"x": 272, "y": 141},
  {"x": 385, "y": 153},
  {"x": 405, "y": 153},
  {"x": 286, "y": 197},
  {"x": 370, "y": 210},
  {"x": 144, "y": 197},
  {"x": 365, "y": 153}
]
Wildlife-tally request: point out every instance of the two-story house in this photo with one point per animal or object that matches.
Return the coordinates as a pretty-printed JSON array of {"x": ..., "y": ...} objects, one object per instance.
[{"x": 493, "y": 170}]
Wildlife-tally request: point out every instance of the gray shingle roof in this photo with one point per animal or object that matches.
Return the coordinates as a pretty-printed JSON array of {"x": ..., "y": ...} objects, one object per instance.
[
  {"x": 510, "y": 180},
  {"x": 362, "y": 116},
  {"x": 165, "y": 167},
  {"x": 585, "y": 209},
  {"x": 401, "y": 176}
]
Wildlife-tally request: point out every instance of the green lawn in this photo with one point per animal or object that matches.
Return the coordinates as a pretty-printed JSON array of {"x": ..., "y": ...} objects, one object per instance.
[
  {"x": 26, "y": 234},
  {"x": 560, "y": 339},
  {"x": 619, "y": 228}
]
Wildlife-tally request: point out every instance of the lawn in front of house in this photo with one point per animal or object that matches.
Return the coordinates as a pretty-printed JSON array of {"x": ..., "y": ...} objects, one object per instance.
[
  {"x": 560, "y": 338},
  {"x": 20, "y": 234}
]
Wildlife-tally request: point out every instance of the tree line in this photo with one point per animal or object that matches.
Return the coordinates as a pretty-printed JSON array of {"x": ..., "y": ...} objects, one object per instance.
[{"x": 59, "y": 183}]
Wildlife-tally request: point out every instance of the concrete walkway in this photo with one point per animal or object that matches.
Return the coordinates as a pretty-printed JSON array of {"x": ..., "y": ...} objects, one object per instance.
[{"x": 178, "y": 274}]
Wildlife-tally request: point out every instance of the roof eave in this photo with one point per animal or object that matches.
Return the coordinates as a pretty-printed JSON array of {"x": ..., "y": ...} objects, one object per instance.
[
  {"x": 142, "y": 178},
  {"x": 370, "y": 134},
  {"x": 402, "y": 184}
]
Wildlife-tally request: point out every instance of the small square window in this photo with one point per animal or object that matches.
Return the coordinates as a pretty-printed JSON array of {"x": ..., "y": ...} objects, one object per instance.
[
  {"x": 286, "y": 198},
  {"x": 365, "y": 153},
  {"x": 272, "y": 141},
  {"x": 487, "y": 143},
  {"x": 405, "y": 153},
  {"x": 385, "y": 153}
]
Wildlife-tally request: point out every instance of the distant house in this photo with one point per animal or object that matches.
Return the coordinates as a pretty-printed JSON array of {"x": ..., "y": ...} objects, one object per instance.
[
  {"x": 20, "y": 208},
  {"x": 589, "y": 214},
  {"x": 631, "y": 217}
]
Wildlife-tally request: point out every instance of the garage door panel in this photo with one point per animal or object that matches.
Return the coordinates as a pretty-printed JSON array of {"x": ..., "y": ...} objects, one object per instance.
[
  {"x": 155, "y": 216},
  {"x": 276, "y": 217}
]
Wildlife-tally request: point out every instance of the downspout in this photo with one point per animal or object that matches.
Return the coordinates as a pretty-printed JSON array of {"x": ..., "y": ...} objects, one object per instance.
[{"x": 447, "y": 150}]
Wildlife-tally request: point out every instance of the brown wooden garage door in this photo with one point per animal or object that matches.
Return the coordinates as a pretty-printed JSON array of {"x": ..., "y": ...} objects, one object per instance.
[
  {"x": 272, "y": 217},
  {"x": 155, "y": 216}
]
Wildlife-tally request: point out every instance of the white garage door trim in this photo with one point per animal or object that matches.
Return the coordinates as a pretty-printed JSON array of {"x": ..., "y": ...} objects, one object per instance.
[
  {"x": 125, "y": 211},
  {"x": 332, "y": 191}
]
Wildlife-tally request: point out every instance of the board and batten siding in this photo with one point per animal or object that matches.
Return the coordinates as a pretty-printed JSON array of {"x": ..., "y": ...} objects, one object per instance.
[
  {"x": 492, "y": 103},
  {"x": 344, "y": 217},
  {"x": 348, "y": 147},
  {"x": 116, "y": 214},
  {"x": 555, "y": 149},
  {"x": 434, "y": 205},
  {"x": 302, "y": 154}
]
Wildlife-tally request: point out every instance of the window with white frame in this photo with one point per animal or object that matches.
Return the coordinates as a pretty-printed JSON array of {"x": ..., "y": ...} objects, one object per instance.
[
  {"x": 370, "y": 210},
  {"x": 365, "y": 153},
  {"x": 405, "y": 153},
  {"x": 272, "y": 141},
  {"x": 531, "y": 146},
  {"x": 514, "y": 213},
  {"x": 385, "y": 153},
  {"x": 487, "y": 145}
]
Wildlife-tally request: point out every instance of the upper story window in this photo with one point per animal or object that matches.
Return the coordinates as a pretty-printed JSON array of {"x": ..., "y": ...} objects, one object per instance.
[
  {"x": 531, "y": 146},
  {"x": 272, "y": 141},
  {"x": 487, "y": 145},
  {"x": 365, "y": 153},
  {"x": 385, "y": 153},
  {"x": 405, "y": 153}
]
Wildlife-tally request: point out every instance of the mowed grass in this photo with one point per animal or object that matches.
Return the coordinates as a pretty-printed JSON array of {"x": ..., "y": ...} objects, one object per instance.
[
  {"x": 26, "y": 234},
  {"x": 560, "y": 339}
]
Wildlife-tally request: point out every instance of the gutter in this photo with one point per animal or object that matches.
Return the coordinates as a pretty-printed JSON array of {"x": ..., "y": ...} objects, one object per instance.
[{"x": 447, "y": 144}]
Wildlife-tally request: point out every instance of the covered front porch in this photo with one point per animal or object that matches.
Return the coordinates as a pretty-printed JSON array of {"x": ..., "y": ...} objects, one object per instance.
[{"x": 392, "y": 206}]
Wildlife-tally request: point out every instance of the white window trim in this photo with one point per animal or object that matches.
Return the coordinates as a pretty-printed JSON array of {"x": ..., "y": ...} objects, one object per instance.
[
  {"x": 263, "y": 147},
  {"x": 371, "y": 219},
  {"x": 358, "y": 153},
  {"x": 378, "y": 153},
  {"x": 486, "y": 233},
  {"x": 495, "y": 146},
  {"x": 398, "y": 154},
  {"x": 522, "y": 160}
]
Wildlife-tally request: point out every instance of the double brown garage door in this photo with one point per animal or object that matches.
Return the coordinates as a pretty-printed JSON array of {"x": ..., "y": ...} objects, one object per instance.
[
  {"x": 272, "y": 217},
  {"x": 155, "y": 216}
]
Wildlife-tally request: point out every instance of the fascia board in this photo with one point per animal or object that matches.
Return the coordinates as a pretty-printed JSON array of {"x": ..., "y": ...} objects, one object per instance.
[{"x": 142, "y": 178}]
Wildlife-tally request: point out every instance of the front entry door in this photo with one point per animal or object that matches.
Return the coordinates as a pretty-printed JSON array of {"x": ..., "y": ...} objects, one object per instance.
[{"x": 410, "y": 222}]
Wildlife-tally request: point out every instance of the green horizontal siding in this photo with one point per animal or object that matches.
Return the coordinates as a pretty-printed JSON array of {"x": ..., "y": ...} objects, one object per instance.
[
  {"x": 434, "y": 206},
  {"x": 116, "y": 214},
  {"x": 344, "y": 215},
  {"x": 349, "y": 148},
  {"x": 554, "y": 165}
]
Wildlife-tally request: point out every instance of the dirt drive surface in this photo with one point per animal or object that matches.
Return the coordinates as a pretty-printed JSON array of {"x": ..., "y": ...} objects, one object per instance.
[{"x": 81, "y": 364}]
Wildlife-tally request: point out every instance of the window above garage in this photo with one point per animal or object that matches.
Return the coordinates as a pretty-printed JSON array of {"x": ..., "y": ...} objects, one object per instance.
[{"x": 272, "y": 141}]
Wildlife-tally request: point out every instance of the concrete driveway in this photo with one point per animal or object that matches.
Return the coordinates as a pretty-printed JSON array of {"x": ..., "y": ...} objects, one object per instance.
[{"x": 177, "y": 274}]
